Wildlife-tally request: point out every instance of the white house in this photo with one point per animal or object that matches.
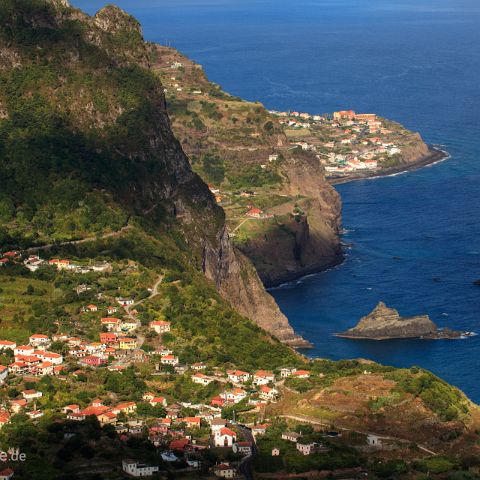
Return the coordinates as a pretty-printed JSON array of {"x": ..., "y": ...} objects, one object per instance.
[
  {"x": 307, "y": 448},
  {"x": 169, "y": 360},
  {"x": 291, "y": 436},
  {"x": 7, "y": 345},
  {"x": 374, "y": 440},
  {"x": 38, "y": 340},
  {"x": 224, "y": 470},
  {"x": 136, "y": 469},
  {"x": 263, "y": 377},
  {"x": 224, "y": 437},
  {"x": 160, "y": 326},
  {"x": 244, "y": 448},
  {"x": 237, "y": 376},
  {"x": 201, "y": 379},
  {"x": 217, "y": 424}
]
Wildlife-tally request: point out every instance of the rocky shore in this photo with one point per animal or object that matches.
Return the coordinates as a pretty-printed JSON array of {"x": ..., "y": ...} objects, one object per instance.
[{"x": 385, "y": 323}]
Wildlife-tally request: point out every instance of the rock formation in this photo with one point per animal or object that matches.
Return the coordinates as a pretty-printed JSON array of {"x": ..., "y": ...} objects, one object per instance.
[{"x": 385, "y": 323}]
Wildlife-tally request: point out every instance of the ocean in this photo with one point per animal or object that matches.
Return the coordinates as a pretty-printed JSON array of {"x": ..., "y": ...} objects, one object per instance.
[{"x": 412, "y": 240}]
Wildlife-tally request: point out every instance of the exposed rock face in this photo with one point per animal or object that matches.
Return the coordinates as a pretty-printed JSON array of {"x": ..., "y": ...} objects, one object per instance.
[
  {"x": 308, "y": 243},
  {"x": 385, "y": 323}
]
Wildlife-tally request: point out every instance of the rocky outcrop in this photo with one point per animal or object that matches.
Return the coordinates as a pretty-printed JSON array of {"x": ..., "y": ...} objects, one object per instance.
[{"x": 385, "y": 323}]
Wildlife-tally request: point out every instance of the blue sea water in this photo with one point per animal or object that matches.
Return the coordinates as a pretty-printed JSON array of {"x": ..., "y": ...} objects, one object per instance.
[{"x": 414, "y": 239}]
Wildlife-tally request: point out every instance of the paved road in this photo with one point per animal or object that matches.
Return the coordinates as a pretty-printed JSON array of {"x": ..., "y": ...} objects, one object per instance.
[
  {"x": 245, "y": 466},
  {"x": 76, "y": 242},
  {"x": 313, "y": 421},
  {"x": 131, "y": 316}
]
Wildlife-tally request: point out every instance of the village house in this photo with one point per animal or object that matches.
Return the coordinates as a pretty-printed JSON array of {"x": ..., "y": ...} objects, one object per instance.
[
  {"x": 224, "y": 470},
  {"x": 7, "y": 345},
  {"x": 111, "y": 310},
  {"x": 137, "y": 469},
  {"x": 263, "y": 377},
  {"x": 308, "y": 448},
  {"x": 43, "y": 368},
  {"x": 291, "y": 436},
  {"x": 245, "y": 448},
  {"x": 93, "y": 361},
  {"x": 217, "y": 424},
  {"x": 254, "y": 213},
  {"x": 125, "y": 302},
  {"x": 110, "y": 323},
  {"x": 158, "y": 401},
  {"x": 234, "y": 396},
  {"x": 90, "y": 308},
  {"x": 287, "y": 371},
  {"x": 259, "y": 430},
  {"x": 107, "y": 418},
  {"x": 73, "y": 408},
  {"x": 160, "y": 326},
  {"x": 198, "y": 366},
  {"x": 127, "y": 343},
  {"x": 237, "y": 376},
  {"x": 108, "y": 337},
  {"x": 127, "y": 326},
  {"x": 301, "y": 374},
  {"x": 6, "y": 474},
  {"x": 39, "y": 340},
  {"x": 18, "y": 405},
  {"x": 201, "y": 379},
  {"x": 191, "y": 422},
  {"x": 374, "y": 440},
  {"x": 224, "y": 437},
  {"x": 23, "y": 350},
  {"x": 31, "y": 395},
  {"x": 169, "y": 360},
  {"x": 35, "y": 414},
  {"x": 275, "y": 452},
  {"x": 268, "y": 393}
]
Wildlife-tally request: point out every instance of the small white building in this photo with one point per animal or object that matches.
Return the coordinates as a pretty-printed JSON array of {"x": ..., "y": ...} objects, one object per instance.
[
  {"x": 137, "y": 469},
  {"x": 224, "y": 437},
  {"x": 201, "y": 379},
  {"x": 224, "y": 470},
  {"x": 307, "y": 448},
  {"x": 291, "y": 436},
  {"x": 374, "y": 440}
]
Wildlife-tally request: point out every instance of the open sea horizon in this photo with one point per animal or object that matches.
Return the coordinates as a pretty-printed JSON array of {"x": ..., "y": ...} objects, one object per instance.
[{"x": 412, "y": 240}]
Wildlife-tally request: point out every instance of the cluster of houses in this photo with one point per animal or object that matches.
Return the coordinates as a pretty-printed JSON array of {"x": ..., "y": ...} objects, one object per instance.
[{"x": 357, "y": 141}]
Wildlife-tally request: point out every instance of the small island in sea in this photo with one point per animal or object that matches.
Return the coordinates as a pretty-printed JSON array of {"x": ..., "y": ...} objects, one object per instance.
[{"x": 385, "y": 323}]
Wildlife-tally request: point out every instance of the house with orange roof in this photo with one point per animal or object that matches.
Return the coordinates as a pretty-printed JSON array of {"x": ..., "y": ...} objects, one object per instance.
[
  {"x": 108, "y": 337},
  {"x": 263, "y": 377},
  {"x": 237, "y": 376},
  {"x": 158, "y": 401},
  {"x": 169, "y": 360},
  {"x": 73, "y": 408},
  {"x": 224, "y": 437},
  {"x": 23, "y": 350},
  {"x": 6, "y": 474},
  {"x": 18, "y": 405},
  {"x": 30, "y": 395},
  {"x": 201, "y": 379},
  {"x": 191, "y": 422},
  {"x": 234, "y": 396},
  {"x": 7, "y": 345},
  {"x": 110, "y": 323},
  {"x": 38, "y": 340},
  {"x": 125, "y": 407}
]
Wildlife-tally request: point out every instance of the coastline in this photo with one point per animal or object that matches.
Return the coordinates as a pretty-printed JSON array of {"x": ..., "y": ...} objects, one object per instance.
[{"x": 436, "y": 155}]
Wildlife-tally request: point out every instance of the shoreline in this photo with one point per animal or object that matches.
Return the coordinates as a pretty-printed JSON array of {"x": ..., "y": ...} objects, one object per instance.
[{"x": 436, "y": 155}]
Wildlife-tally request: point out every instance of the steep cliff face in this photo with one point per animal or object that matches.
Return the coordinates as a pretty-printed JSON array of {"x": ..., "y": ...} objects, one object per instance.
[
  {"x": 243, "y": 135},
  {"x": 102, "y": 123},
  {"x": 308, "y": 241}
]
